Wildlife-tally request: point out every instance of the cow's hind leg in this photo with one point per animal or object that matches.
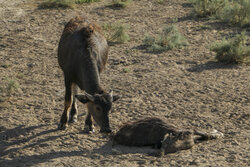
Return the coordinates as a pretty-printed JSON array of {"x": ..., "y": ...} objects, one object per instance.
[
  {"x": 89, "y": 124},
  {"x": 74, "y": 111},
  {"x": 201, "y": 136},
  {"x": 67, "y": 106}
]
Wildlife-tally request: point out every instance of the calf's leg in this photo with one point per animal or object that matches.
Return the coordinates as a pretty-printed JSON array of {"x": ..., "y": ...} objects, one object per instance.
[{"x": 201, "y": 136}]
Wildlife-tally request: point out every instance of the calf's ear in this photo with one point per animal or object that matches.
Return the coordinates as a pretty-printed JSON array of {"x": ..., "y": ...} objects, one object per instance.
[
  {"x": 116, "y": 97},
  {"x": 82, "y": 98}
]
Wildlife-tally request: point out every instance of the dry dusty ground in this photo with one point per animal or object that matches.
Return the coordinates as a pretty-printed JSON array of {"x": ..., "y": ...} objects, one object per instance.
[{"x": 185, "y": 86}]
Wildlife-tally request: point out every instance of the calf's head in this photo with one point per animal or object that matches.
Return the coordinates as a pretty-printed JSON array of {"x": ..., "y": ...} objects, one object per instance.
[{"x": 99, "y": 106}]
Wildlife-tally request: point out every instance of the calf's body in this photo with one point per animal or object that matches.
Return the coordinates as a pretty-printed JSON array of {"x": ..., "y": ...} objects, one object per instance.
[{"x": 156, "y": 132}]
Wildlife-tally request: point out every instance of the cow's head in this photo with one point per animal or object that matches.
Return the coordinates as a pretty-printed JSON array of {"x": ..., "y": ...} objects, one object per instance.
[{"x": 99, "y": 106}]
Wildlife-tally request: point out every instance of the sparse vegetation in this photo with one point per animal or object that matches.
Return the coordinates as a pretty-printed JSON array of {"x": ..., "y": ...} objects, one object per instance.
[
  {"x": 2, "y": 99},
  {"x": 232, "y": 50},
  {"x": 4, "y": 65},
  {"x": 63, "y": 3},
  {"x": 169, "y": 38},
  {"x": 116, "y": 32},
  {"x": 56, "y": 4},
  {"x": 125, "y": 70},
  {"x": 233, "y": 11},
  {"x": 11, "y": 86},
  {"x": 205, "y": 8},
  {"x": 161, "y": 1},
  {"x": 236, "y": 12},
  {"x": 120, "y": 3},
  {"x": 20, "y": 75},
  {"x": 7, "y": 88},
  {"x": 85, "y": 1}
]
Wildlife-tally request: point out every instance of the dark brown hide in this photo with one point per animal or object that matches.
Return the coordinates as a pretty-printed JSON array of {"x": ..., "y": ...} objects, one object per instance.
[
  {"x": 156, "y": 132},
  {"x": 145, "y": 132},
  {"x": 82, "y": 55}
]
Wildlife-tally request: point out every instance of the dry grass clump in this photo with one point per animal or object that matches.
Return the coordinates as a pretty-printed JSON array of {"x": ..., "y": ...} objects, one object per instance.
[
  {"x": 205, "y": 8},
  {"x": 8, "y": 86},
  {"x": 233, "y": 50},
  {"x": 120, "y": 3},
  {"x": 85, "y": 1},
  {"x": 236, "y": 12},
  {"x": 169, "y": 38},
  {"x": 63, "y": 3},
  {"x": 56, "y": 4},
  {"x": 233, "y": 11},
  {"x": 116, "y": 32}
]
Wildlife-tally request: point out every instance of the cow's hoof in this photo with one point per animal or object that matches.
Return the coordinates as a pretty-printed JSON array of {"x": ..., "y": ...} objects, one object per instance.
[
  {"x": 62, "y": 126},
  {"x": 88, "y": 130},
  {"x": 105, "y": 130},
  {"x": 156, "y": 154},
  {"x": 73, "y": 120}
]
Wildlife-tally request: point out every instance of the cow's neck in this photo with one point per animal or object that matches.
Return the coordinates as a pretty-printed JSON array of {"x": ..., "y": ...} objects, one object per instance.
[{"x": 92, "y": 85}]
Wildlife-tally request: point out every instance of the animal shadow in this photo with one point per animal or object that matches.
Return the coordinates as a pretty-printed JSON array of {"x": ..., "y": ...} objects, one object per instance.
[
  {"x": 210, "y": 66},
  {"x": 13, "y": 140},
  {"x": 17, "y": 136},
  {"x": 110, "y": 149}
]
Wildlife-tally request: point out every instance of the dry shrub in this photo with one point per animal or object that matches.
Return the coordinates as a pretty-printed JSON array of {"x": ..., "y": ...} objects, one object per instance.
[
  {"x": 232, "y": 50},
  {"x": 56, "y": 4},
  {"x": 236, "y": 12},
  {"x": 85, "y": 1},
  {"x": 116, "y": 32},
  {"x": 169, "y": 38},
  {"x": 120, "y": 3},
  {"x": 205, "y": 8},
  {"x": 63, "y": 3},
  {"x": 8, "y": 86}
]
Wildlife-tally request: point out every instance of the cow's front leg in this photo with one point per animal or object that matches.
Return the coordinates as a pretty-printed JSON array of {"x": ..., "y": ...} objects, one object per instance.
[
  {"x": 73, "y": 112},
  {"x": 89, "y": 128}
]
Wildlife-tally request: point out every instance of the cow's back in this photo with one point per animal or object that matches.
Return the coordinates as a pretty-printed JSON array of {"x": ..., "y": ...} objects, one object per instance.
[{"x": 81, "y": 42}]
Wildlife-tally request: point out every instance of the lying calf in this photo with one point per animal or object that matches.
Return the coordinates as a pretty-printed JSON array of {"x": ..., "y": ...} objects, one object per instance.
[{"x": 156, "y": 132}]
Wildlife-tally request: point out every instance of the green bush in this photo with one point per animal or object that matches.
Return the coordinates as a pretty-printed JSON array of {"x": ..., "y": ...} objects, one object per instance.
[
  {"x": 116, "y": 32},
  {"x": 120, "y": 3},
  {"x": 205, "y": 8},
  {"x": 232, "y": 50},
  {"x": 169, "y": 38},
  {"x": 236, "y": 12}
]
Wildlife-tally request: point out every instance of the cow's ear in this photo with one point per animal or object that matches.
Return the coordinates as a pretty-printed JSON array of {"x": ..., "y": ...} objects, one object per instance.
[
  {"x": 82, "y": 98},
  {"x": 90, "y": 97}
]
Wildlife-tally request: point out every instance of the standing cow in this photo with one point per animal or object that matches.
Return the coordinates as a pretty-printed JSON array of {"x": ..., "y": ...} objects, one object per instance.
[{"x": 82, "y": 55}]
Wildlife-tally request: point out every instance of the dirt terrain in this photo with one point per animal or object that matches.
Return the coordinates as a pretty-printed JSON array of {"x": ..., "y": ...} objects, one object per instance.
[{"x": 185, "y": 86}]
